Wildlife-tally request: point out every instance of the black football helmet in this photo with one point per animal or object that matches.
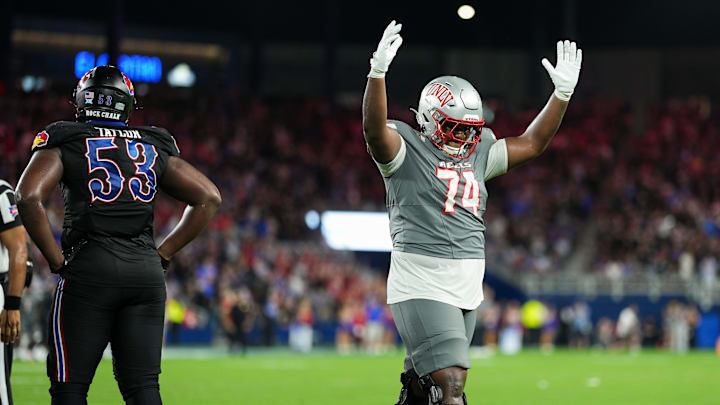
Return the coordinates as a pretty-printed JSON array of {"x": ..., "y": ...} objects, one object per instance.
[{"x": 104, "y": 93}]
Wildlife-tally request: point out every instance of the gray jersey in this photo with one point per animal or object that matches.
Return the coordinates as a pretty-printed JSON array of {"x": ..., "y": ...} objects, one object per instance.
[{"x": 435, "y": 201}]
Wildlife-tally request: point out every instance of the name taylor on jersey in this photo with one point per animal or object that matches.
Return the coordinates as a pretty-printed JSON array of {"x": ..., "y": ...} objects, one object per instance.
[{"x": 122, "y": 133}]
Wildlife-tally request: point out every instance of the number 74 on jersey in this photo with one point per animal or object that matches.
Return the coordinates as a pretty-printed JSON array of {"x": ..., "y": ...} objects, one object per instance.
[{"x": 471, "y": 193}]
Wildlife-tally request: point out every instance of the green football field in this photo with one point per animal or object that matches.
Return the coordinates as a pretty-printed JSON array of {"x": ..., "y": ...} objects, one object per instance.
[{"x": 564, "y": 377}]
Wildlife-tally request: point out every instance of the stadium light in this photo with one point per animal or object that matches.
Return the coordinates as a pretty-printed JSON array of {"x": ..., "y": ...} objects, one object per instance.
[
  {"x": 181, "y": 76},
  {"x": 357, "y": 231},
  {"x": 30, "y": 83},
  {"x": 27, "y": 83},
  {"x": 466, "y": 12},
  {"x": 312, "y": 219}
]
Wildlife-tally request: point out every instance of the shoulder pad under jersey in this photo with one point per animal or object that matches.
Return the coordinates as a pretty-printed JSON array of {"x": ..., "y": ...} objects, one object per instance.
[
  {"x": 55, "y": 135},
  {"x": 165, "y": 140},
  {"x": 488, "y": 135}
]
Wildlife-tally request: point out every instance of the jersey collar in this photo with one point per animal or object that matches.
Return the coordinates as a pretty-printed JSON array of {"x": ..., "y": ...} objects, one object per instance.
[{"x": 116, "y": 123}]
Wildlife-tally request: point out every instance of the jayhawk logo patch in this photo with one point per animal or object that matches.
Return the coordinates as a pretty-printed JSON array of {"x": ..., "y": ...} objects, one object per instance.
[
  {"x": 129, "y": 85},
  {"x": 41, "y": 139}
]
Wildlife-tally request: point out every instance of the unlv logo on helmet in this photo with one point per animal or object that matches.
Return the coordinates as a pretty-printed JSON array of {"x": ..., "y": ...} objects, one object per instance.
[{"x": 443, "y": 94}]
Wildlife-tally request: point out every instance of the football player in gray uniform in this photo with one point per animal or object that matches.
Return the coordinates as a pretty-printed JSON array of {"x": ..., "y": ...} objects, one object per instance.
[{"x": 436, "y": 196}]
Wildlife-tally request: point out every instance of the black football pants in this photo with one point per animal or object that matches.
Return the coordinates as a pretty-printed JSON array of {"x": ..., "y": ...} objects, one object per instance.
[{"x": 84, "y": 319}]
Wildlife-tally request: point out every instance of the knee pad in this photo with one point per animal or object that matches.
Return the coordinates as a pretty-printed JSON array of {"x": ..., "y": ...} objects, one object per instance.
[
  {"x": 135, "y": 387},
  {"x": 145, "y": 396},
  {"x": 68, "y": 393}
]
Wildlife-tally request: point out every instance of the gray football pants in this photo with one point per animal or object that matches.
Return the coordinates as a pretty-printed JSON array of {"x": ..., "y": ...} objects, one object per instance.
[{"x": 436, "y": 335}]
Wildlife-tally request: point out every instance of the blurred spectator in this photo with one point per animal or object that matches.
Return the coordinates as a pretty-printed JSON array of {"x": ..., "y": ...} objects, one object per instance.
[
  {"x": 605, "y": 337},
  {"x": 628, "y": 330},
  {"x": 533, "y": 318},
  {"x": 488, "y": 321},
  {"x": 301, "y": 330},
  {"x": 175, "y": 316},
  {"x": 511, "y": 332},
  {"x": 650, "y": 333},
  {"x": 678, "y": 318},
  {"x": 235, "y": 317},
  {"x": 344, "y": 332},
  {"x": 374, "y": 313},
  {"x": 580, "y": 325},
  {"x": 549, "y": 329},
  {"x": 390, "y": 334}
]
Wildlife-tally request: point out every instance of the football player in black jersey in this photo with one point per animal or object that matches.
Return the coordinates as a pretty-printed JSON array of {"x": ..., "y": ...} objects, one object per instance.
[{"x": 111, "y": 287}]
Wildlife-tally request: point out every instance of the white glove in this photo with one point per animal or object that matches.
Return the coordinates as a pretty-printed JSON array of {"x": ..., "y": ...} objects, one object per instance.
[
  {"x": 386, "y": 50},
  {"x": 565, "y": 74}
]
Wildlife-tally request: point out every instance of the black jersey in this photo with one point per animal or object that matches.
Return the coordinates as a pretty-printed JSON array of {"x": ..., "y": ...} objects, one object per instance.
[{"x": 110, "y": 180}]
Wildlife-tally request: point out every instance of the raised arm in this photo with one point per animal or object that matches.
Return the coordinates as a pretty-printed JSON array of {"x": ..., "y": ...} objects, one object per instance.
[
  {"x": 40, "y": 177},
  {"x": 383, "y": 142},
  {"x": 185, "y": 183},
  {"x": 538, "y": 134}
]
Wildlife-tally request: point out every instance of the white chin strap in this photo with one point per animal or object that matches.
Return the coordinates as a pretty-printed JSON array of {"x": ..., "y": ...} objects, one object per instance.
[{"x": 451, "y": 149}]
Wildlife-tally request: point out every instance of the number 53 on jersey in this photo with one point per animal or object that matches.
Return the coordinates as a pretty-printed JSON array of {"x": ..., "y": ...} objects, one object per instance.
[{"x": 142, "y": 185}]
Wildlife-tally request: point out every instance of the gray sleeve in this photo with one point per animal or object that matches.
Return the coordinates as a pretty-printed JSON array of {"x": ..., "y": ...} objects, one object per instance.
[
  {"x": 497, "y": 162},
  {"x": 389, "y": 168}
]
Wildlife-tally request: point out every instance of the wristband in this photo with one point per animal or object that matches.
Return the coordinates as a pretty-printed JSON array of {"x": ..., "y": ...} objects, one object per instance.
[
  {"x": 12, "y": 302},
  {"x": 165, "y": 263}
]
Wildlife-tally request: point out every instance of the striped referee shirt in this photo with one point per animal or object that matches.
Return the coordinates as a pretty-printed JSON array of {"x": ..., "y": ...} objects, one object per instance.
[{"x": 9, "y": 219}]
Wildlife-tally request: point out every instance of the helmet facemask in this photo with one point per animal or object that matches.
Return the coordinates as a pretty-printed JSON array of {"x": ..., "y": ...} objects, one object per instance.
[{"x": 448, "y": 129}]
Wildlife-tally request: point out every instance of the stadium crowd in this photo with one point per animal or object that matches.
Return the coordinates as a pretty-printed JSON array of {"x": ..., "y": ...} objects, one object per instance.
[
  {"x": 509, "y": 325},
  {"x": 659, "y": 203},
  {"x": 648, "y": 192}
]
